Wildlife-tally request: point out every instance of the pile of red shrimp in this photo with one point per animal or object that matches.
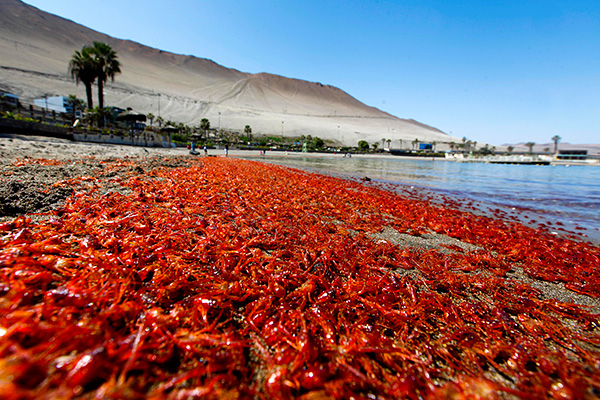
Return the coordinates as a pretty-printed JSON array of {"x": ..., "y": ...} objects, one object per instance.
[{"x": 228, "y": 278}]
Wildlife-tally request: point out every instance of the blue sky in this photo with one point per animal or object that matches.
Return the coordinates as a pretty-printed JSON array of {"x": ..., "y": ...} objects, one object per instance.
[{"x": 492, "y": 71}]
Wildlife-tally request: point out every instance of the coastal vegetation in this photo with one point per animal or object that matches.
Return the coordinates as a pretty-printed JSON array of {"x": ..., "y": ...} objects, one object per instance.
[
  {"x": 107, "y": 66},
  {"x": 363, "y": 145},
  {"x": 98, "y": 62},
  {"x": 83, "y": 70},
  {"x": 205, "y": 126},
  {"x": 530, "y": 146},
  {"x": 556, "y": 139}
]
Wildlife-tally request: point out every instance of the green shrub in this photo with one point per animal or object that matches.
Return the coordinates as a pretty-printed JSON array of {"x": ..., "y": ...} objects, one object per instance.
[{"x": 179, "y": 138}]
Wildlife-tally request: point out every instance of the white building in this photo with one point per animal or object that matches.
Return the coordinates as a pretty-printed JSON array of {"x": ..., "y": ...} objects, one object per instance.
[
  {"x": 55, "y": 103},
  {"x": 10, "y": 98}
]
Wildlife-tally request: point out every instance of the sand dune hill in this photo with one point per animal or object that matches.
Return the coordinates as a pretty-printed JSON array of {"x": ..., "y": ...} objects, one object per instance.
[{"x": 35, "y": 48}]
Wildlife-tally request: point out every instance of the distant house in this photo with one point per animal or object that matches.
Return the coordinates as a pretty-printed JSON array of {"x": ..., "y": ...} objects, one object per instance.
[
  {"x": 572, "y": 155},
  {"x": 9, "y": 98},
  {"x": 55, "y": 103}
]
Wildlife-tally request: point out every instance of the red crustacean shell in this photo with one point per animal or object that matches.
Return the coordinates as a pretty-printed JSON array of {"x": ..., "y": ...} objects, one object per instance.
[{"x": 227, "y": 278}]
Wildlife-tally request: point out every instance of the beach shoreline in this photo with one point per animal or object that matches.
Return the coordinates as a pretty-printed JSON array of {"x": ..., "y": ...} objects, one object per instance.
[{"x": 14, "y": 147}]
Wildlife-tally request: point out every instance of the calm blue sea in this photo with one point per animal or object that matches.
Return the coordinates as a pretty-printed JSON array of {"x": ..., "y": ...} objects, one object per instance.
[{"x": 563, "y": 197}]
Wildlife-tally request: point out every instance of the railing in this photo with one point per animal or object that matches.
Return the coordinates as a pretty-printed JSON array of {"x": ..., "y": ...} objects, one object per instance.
[{"x": 39, "y": 114}]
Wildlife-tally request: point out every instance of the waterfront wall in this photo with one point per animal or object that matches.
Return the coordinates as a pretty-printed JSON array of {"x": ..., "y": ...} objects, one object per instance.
[
  {"x": 20, "y": 127},
  {"x": 145, "y": 138}
]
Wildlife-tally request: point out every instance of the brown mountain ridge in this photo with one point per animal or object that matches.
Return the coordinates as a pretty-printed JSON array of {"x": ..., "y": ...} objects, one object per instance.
[{"x": 35, "y": 48}]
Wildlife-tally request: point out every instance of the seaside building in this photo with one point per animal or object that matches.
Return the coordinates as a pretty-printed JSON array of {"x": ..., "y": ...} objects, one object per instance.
[
  {"x": 9, "y": 98},
  {"x": 572, "y": 155},
  {"x": 54, "y": 103}
]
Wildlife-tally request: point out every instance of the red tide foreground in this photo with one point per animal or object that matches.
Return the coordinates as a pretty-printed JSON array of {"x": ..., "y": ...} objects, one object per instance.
[{"x": 236, "y": 279}]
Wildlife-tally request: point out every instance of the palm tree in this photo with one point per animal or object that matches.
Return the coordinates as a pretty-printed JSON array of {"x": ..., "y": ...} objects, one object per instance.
[
  {"x": 530, "y": 145},
  {"x": 83, "y": 69},
  {"x": 556, "y": 139},
  {"x": 107, "y": 66},
  {"x": 363, "y": 145},
  {"x": 205, "y": 126},
  {"x": 76, "y": 104},
  {"x": 151, "y": 117},
  {"x": 98, "y": 116},
  {"x": 389, "y": 142},
  {"x": 248, "y": 132}
]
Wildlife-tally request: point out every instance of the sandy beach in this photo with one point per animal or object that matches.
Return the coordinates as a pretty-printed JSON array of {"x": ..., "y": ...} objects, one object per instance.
[
  {"x": 273, "y": 283},
  {"x": 13, "y": 147}
]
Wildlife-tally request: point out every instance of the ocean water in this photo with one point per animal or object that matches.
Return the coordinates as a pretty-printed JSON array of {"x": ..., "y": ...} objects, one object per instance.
[{"x": 563, "y": 199}]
